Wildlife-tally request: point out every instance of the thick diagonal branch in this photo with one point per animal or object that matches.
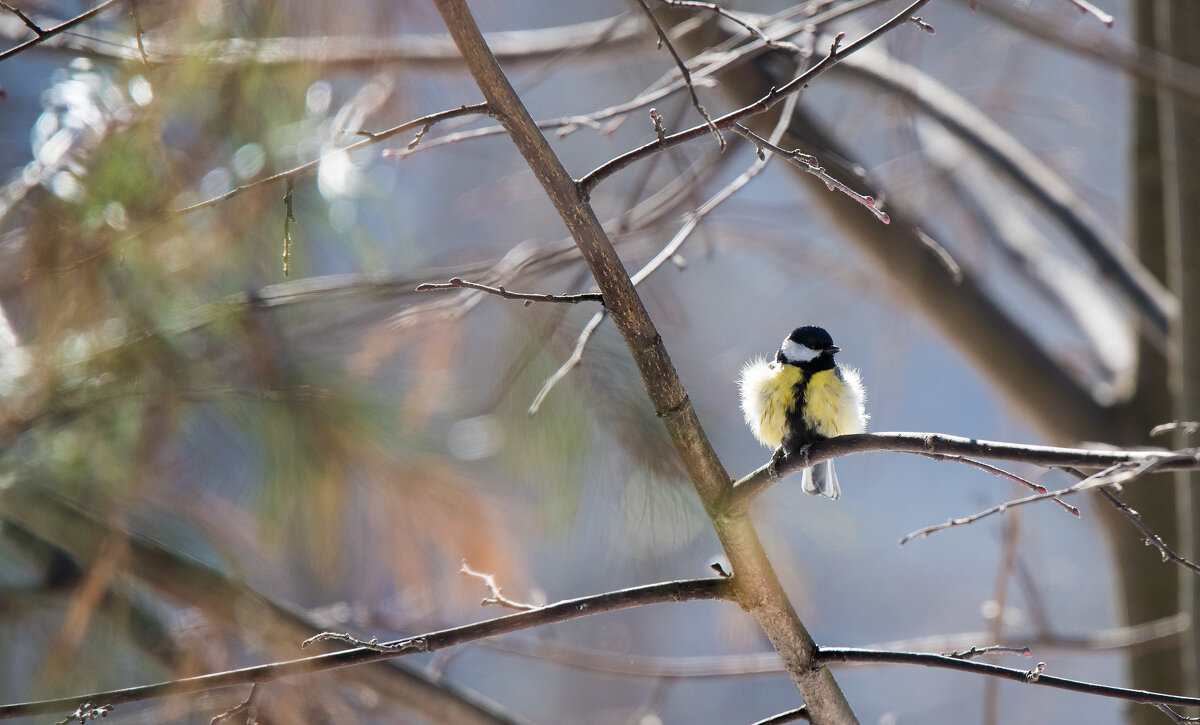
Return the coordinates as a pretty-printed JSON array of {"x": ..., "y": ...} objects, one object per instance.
[{"x": 756, "y": 585}]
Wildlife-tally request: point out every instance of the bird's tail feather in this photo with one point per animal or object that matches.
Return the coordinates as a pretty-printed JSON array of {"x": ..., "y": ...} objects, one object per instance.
[{"x": 820, "y": 480}]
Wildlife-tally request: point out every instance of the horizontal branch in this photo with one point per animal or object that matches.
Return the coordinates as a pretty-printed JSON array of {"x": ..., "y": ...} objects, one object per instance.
[
  {"x": 676, "y": 591},
  {"x": 1036, "y": 676},
  {"x": 756, "y": 482},
  {"x": 757, "y": 664},
  {"x": 528, "y": 297}
]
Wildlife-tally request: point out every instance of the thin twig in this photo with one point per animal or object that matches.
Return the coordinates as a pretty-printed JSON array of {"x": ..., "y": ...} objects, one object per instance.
[
  {"x": 45, "y": 34},
  {"x": 1149, "y": 537},
  {"x": 475, "y": 109},
  {"x": 980, "y": 651},
  {"x": 86, "y": 711},
  {"x": 1089, "y": 9},
  {"x": 757, "y": 31},
  {"x": 796, "y": 714},
  {"x": 672, "y": 247},
  {"x": 529, "y": 297},
  {"x": 918, "y": 21},
  {"x": 1187, "y": 426},
  {"x": 997, "y": 471},
  {"x": 24, "y": 18},
  {"x": 1176, "y": 717},
  {"x": 809, "y": 165},
  {"x": 139, "y": 32},
  {"x": 1114, "y": 475},
  {"x": 664, "y": 39},
  {"x": 1035, "y": 676},
  {"x": 245, "y": 706},
  {"x": 569, "y": 364},
  {"x": 288, "y": 219},
  {"x": 489, "y": 581},
  {"x": 836, "y": 53}
]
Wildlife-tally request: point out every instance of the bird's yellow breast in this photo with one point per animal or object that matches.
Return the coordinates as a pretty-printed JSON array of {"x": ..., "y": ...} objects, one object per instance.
[
  {"x": 832, "y": 402},
  {"x": 777, "y": 396},
  {"x": 830, "y": 406}
]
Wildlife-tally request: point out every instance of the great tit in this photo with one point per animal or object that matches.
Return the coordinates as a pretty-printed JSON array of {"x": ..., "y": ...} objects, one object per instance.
[{"x": 801, "y": 397}]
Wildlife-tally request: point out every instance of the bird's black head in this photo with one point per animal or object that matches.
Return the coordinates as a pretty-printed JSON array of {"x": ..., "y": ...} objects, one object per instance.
[{"x": 809, "y": 347}]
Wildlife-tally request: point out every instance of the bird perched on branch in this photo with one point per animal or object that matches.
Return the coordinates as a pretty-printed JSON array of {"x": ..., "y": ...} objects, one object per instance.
[{"x": 803, "y": 396}]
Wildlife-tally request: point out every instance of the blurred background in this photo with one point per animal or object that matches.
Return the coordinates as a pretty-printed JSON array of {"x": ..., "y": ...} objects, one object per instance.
[{"x": 205, "y": 461}]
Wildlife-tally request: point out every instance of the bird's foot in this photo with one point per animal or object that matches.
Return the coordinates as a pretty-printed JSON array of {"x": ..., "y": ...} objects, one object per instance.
[{"x": 776, "y": 457}]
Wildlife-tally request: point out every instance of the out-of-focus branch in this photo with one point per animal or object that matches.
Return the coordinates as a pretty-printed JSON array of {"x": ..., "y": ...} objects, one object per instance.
[
  {"x": 221, "y": 598},
  {"x": 1139, "y": 61},
  {"x": 616, "y": 34},
  {"x": 424, "y": 123},
  {"x": 1029, "y": 173}
]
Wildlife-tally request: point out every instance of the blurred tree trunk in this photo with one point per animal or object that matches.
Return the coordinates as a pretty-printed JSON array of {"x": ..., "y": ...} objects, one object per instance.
[
  {"x": 1149, "y": 591},
  {"x": 1177, "y": 35}
]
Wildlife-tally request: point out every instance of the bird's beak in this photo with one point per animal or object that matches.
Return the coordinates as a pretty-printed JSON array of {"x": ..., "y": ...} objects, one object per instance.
[{"x": 833, "y": 349}]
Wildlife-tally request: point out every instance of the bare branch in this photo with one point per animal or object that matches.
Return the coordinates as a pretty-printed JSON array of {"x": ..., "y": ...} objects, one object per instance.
[
  {"x": 529, "y": 297},
  {"x": 677, "y": 591},
  {"x": 732, "y": 17},
  {"x": 43, "y": 35},
  {"x": 87, "y": 711},
  {"x": 1176, "y": 717},
  {"x": 24, "y": 18},
  {"x": 664, "y": 39},
  {"x": 244, "y": 707},
  {"x": 288, "y": 220},
  {"x": 756, "y": 585},
  {"x": 836, "y": 53},
  {"x": 925, "y": 444},
  {"x": 1004, "y": 474},
  {"x": 1114, "y": 475},
  {"x": 918, "y": 21},
  {"x": 1089, "y": 9},
  {"x": 810, "y": 165},
  {"x": 1035, "y": 676},
  {"x": 138, "y": 33},
  {"x": 1187, "y": 426},
  {"x": 672, "y": 247},
  {"x": 993, "y": 649},
  {"x": 569, "y": 364},
  {"x": 794, "y": 715},
  {"x": 489, "y": 581},
  {"x": 1148, "y": 536}
]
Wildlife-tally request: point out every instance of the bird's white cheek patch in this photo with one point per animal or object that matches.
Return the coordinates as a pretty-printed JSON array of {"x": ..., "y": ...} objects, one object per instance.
[{"x": 796, "y": 352}]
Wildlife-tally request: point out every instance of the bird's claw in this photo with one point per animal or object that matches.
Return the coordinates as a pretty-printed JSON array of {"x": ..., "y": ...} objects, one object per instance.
[{"x": 773, "y": 466}]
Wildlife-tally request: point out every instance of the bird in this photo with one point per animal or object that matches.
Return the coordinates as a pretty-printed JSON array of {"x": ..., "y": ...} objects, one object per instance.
[{"x": 801, "y": 397}]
